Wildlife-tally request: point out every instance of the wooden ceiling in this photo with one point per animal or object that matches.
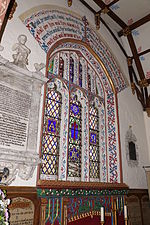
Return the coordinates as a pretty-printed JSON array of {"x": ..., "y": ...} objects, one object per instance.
[{"x": 117, "y": 21}]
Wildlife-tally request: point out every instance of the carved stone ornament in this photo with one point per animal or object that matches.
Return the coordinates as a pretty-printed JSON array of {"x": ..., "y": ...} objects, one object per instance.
[
  {"x": 130, "y": 137},
  {"x": 20, "y": 97},
  {"x": 22, "y": 52},
  {"x": 39, "y": 67},
  {"x": 1, "y": 48}
]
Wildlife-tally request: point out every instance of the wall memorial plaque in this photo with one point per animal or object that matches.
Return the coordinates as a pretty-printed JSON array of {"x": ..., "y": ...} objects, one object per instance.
[
  {"x": 20, "y": 95},
  {"x": 14, "y": 117},
  {"x": 21, "y": 211}
]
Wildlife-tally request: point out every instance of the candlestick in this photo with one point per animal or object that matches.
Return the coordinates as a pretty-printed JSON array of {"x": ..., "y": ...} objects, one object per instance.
[
  {"x": 126, "y": 221},
  {"x": 125, "y": 212},
  {"x": 102, "y": 214}
]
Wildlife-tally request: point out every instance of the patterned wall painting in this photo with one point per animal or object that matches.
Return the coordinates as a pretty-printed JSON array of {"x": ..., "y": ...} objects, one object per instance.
[{"x": 47, "y": 24}]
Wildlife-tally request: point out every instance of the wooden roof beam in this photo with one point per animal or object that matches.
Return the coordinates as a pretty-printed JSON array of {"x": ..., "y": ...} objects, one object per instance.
[
  {"x": 112, "y": 3},
  {"x": 143, "y": 53},
  {"x": 135, "y": 56},
  {"x": 105, "y": 9},
  {"x": 88, "y": 6},
  {"x": 136, "y": 24},
  {"x": 108, "y": 28}
]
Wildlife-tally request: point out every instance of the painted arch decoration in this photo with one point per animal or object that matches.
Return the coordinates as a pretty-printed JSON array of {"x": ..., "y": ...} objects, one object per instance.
[
  {"x": 67, "y": 38},
  {"x": 49, "y": 24}
]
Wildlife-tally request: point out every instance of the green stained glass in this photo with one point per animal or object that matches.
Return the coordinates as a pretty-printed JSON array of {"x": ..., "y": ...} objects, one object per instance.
[{"x": 51, "y": 66}]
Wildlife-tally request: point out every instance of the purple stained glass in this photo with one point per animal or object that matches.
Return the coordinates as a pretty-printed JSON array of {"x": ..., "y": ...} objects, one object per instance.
[
  {"x": 74, "y": 131},
  {"x": 92, "y": 138},
  {"x": 75, "y": 109}
]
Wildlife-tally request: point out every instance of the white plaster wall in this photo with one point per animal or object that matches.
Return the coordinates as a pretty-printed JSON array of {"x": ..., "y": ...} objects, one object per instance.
[
  {"x": 147, "y": 127},
  {"x": 130, "y": 112}
]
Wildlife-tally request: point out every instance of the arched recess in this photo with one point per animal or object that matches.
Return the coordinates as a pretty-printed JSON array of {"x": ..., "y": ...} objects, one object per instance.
[
  {"x": 101, "y": 92},
  {"x": 58, "y": 32}
]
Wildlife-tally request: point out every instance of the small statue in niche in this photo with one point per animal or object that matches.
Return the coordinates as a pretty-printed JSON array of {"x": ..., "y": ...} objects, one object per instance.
[{"x": 22, "y": 52}]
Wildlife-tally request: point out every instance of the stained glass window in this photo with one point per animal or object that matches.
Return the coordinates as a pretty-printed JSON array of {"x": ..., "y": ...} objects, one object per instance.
[
  {"x": 94, "y": 142},
  {"x": 76, "y": 72},
  {"x": 71, "y": 72},
  {"x": 61, "y": 67},
  {"x": 89, "y": 81},
  {"x": 51, "y": 66},
  {"x": 50, "y": 143},
  {"x": 74, "y": 151},
  {"x": 80, "y": 74}
]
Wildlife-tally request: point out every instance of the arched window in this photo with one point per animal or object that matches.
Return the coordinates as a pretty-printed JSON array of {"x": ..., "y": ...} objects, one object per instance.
[
  {"x": 80, "y": 74},
  {"x": 50, "y": 66},
  {"x": 75, "y": 131},
  {"x": 83, "y": 140},
  {"x": 51, "y": 134},
  {"x": 94, "y": 143},
  {"x": 89, "y": 80},
  {"x": 71, "y": 72},
  {"x": 61, "y": 67}
]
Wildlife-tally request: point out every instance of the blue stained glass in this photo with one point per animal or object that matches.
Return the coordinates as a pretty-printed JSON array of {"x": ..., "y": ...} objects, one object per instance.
[
  {"x": 74, "y": 154},
  {"x": 74, "y": 131},
  {"x": 75, "y": 109},
  {"x": 51, "y": 125},
  {"x": 92, "y": 138}
]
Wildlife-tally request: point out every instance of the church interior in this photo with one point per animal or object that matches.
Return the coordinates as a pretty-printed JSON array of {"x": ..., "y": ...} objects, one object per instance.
[{"x": 74, "y": 112}]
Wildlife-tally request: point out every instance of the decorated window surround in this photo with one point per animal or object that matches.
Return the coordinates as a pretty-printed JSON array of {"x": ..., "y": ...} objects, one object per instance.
[{"x": 109, "y": 92}]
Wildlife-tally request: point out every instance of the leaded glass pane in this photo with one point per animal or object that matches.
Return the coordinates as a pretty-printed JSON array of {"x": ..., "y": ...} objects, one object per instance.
[
  {"x": 80, "y": 74},
  {"x": 50, "y": 143},
  {"x": 51, "y": 66},
  {"x": 61, "y": 67},
  {"x": 94, "y": 142},
  {"x": 89, "y": 82},
  {"x": 71, "y": 72},
  {"x": 74, "y": 151}
]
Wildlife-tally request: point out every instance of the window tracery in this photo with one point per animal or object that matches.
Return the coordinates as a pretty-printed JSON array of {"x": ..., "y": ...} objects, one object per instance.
[{"x": 83, "y": 126}]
